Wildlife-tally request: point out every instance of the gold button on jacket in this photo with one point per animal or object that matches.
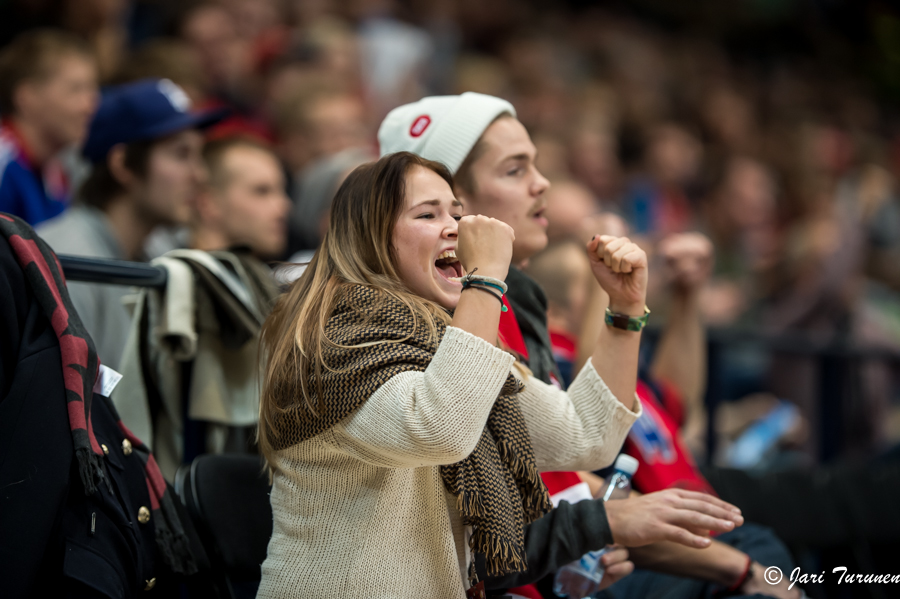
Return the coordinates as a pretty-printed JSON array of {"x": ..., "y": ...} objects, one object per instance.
[
  {"x": 126, "y": 446},
  {"x": 150, "y": 584},
  {"x": 143, "y": 515}
]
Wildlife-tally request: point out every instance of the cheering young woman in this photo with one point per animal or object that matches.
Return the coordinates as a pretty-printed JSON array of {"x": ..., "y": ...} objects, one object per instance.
[{"x": 401, "y": 439}]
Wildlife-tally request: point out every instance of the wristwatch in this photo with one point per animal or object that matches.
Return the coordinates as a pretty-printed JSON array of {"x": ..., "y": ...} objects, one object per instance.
[{"x": 627, "y": 323}]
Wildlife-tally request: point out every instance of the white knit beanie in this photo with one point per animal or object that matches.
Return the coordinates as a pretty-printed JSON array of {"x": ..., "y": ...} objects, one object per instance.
[{"x": 440, "y": 128}]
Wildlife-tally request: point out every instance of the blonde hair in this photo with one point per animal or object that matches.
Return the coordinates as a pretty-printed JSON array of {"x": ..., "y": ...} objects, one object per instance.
[{"x": 356, "y": 250}]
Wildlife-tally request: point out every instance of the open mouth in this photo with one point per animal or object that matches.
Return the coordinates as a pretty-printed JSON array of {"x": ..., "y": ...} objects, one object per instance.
[
  {"x": 540, "y": 218},
  {"x": 448, "y": 265}
]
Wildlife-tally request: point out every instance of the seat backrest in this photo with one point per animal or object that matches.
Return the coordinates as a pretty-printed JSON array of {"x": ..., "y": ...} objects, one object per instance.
[{"x": 227, "y": 495}]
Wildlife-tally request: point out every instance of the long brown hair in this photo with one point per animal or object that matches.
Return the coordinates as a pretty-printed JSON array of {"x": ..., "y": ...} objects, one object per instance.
[{"x": 357, "y": 250}]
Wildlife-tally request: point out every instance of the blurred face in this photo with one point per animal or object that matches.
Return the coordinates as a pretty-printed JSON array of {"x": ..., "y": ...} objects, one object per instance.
[
  {"x": 749, "y": 194},
  {"x": 594, "y": 161},
  {"x": 252, "y": 204},
  {"x": 212, "y": 33},
  {"x": 569, "y": 205},
  {"x": 336, "y": 123},
  {"x": 508, "y": 186},
  {"x": 174, "y": 177},
  {"x": 675, "y": 155},
  {"x": 424, "y": 238},
  {"x": 60, "y": 105}
]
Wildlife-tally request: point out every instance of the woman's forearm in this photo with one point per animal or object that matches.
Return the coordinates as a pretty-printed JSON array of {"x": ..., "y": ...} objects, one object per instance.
[
  {"x": 615, "y": 357},
  {"x": 478, "y": 313},
  {"x": 614, "y": 352}
]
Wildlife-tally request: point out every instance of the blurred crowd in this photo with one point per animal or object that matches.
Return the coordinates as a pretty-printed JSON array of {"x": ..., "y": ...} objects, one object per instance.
[{"x": 790, "y": 170}]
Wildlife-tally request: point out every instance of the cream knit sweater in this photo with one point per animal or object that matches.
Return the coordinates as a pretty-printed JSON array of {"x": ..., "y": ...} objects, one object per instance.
[{"x": 360, "y": 511}]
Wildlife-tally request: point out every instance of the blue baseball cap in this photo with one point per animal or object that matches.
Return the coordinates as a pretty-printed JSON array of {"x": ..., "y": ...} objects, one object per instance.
[{"x": 143, "y": 110}]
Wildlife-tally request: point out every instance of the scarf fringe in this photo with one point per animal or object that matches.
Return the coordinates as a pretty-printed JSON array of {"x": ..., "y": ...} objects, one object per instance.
[
  {"x": 501, "y": 555},
  {"x": 469, "y": 505},
  {"x": 175, "y": 550},
  {"x": 90, "y": 469}
]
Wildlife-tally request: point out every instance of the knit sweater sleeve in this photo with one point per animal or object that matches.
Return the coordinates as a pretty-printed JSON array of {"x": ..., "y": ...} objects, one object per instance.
[
  {"x": 433, "y": 417},
  {"x": 579, "y": 429}
]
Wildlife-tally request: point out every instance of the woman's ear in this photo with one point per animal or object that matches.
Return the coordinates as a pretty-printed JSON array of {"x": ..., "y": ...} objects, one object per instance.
[{"x": 115, "y": 160}]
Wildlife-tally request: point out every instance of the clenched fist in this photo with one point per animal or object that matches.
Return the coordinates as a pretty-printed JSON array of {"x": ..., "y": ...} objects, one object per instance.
[
  {"x": 620, "y": 266},
  {"x": 688, "y": 259},
  {"x": 486, "y": 244}
]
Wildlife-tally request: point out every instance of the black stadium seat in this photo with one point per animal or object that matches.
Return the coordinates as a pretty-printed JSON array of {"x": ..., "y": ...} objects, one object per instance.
[{"x": 227, "y": 497}]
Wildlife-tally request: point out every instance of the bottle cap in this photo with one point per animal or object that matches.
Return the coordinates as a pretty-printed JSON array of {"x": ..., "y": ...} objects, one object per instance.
[{"x": 627, "y": 464}]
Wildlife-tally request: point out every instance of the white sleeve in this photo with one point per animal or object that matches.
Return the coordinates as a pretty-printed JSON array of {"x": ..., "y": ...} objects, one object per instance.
[
  {"x": 579, "y": 429},
  {"x": 433, "y": 417}
]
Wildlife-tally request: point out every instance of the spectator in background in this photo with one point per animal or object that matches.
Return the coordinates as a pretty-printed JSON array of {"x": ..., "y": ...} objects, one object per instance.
[
  {"x": 244, "y": 203},
  {"x": 740, "y": 217},
  {"x": 48, "y": 92},
  {"x": 324, "y": 135},
  {"x": 204, "y": 370},
  {"x": 660, "y": 202},
  {"x": 231, "y": 68},
  {"x": 313, "y": 192},
  {"x": 102, "y": 24},
  {"x": 570, "y": 207},
  {"x": 319, "y": 122},
  {"x": 167, "y": 58},
  {"x": 595, "y": 163},
  {"x": 145, "y": 146},
  {"x": 212, "y": 33}
]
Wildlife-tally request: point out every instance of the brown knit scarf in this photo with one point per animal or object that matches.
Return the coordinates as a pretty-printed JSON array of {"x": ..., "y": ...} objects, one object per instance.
[{"x": 498, "y": 487}]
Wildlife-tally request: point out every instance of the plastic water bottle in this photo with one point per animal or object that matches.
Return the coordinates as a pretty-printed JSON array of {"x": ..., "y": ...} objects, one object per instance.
[
  {"x": 582, "y": 578},
  {"x": 760, "y": 437}
]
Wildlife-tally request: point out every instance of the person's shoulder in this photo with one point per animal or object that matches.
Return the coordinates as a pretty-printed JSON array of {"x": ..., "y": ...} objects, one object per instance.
[{"x": 71, "y": 233}]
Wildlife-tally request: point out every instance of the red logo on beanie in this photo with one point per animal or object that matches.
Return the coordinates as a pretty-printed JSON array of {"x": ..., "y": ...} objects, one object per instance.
[{"x": 419, "y": 125}]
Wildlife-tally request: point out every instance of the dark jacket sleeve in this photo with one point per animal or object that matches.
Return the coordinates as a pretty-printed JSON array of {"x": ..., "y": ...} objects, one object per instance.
[
  {"x": 13, "y": 310},
  {"x": 561, "y": 536}
]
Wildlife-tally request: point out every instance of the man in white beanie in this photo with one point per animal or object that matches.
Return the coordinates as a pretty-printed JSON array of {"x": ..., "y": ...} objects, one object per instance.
[{"x": 492, "y": 158}]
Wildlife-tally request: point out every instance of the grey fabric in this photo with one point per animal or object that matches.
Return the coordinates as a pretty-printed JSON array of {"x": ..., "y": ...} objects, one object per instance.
[
  {"x": 313, "y": 191},
  {"x": 85, "y": 231}
]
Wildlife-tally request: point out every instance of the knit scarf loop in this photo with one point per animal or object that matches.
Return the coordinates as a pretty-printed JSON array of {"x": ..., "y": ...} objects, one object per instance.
[
  {"x": 498, "y": 487},
  {"x": 80, "y": 366}
]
